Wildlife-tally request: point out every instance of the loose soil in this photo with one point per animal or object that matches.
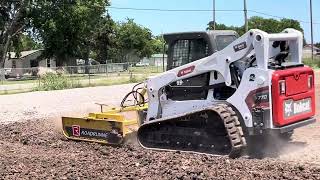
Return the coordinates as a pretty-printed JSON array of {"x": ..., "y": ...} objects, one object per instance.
[{"x": 33, "y": 147}]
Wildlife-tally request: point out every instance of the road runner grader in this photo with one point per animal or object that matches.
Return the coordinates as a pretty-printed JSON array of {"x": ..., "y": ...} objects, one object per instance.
[{"x": 218, "y": 94}]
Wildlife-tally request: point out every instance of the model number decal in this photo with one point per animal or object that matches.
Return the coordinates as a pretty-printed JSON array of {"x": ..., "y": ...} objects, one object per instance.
[
  {"x": 258, "y": 98},
  {"x": 186, "y": 71},
  {"x": 240, "y": 46},
  {"x": 261, "y": 97}
]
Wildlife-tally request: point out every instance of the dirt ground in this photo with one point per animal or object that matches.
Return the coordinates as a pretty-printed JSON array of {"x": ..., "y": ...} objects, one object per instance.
[{"x": 33, "y": 147}]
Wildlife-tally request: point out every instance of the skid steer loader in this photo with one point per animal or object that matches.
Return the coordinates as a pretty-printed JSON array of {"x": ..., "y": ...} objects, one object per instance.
[{"x": 218, "y": 93}]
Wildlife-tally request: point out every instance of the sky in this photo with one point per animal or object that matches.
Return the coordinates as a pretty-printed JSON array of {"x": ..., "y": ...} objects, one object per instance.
[{"x": 166, "y": 22}]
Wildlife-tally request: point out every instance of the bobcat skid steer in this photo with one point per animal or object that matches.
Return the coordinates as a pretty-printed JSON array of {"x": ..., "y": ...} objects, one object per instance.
[{"x": 214, "y": 100}]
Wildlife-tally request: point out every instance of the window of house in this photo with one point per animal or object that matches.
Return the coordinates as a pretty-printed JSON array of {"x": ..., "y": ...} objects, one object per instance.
[
  {"x": 14, "y": 64},
  {"x": 34, "y": 63},
  {"x": 48, "y": 63}
]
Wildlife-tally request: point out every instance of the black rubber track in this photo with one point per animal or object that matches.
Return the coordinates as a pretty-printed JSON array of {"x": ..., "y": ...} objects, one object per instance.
[{"x": 213, "y": 130}]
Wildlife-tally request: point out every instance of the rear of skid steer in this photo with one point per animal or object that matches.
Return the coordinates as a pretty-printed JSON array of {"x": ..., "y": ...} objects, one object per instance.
[{"x": 108, "y": 127}]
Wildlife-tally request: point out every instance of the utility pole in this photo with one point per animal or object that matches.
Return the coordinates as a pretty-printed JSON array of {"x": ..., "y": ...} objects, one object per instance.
[
  {"x": 311, "y": 21},
  {"x": 214, "y": 14},
  {"x": 245, "y": 15}
]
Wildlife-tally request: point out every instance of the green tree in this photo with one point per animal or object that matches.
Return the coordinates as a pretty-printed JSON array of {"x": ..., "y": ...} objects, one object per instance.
[
  {"x": 268, "y": 25},
  {"x": 158, "y": 42},
  {"x": 13, "y": 20},
  {"x": 290, "y": 23},
  {"x": 67, "y": 27},
  {"x": 317, "y": 45},
  {"x": 104, "y": 40},
  {"x": 25, "y": 42},
  {"x": 133, "y": 40}
]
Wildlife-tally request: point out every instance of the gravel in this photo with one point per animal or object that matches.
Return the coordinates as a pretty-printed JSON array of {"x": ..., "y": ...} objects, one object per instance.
[
  {"x": 54, "y": 104},
  {"x": 33, "y": 149}
]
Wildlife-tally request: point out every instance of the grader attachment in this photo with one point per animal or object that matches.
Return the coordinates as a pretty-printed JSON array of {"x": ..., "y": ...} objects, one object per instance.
[{"x": 108, "y": 127}]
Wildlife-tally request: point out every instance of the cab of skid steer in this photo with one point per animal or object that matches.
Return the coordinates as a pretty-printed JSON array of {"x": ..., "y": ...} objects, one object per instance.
[{"x": 186, "y": 47}]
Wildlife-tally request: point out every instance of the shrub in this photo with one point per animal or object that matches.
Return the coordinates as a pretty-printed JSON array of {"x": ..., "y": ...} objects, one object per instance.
[
  {"x": 318, "y": 62},
  {"x": 53, "y": 81},
  {"x": 133, "y": 79}
]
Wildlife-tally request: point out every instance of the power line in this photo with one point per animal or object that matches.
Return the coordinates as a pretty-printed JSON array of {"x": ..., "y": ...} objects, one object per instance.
[
  {"x": 281, "y": 17},
  {"x": 173, "y": 10},
  {"x": 274, "y": 16},
  {"x": 204, "y": 10},
  {"x": 270, "y": 15}
]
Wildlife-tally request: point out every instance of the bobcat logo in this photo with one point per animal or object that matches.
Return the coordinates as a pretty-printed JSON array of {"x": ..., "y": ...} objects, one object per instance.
[{"x": 288, "y": 108}]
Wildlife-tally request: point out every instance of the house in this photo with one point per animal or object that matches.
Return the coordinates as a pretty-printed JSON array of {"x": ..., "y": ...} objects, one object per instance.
[
  {"x": 27, "y": 63},
  {"x": 307, "y": 51},
  {"x": 155, "y": 60}
]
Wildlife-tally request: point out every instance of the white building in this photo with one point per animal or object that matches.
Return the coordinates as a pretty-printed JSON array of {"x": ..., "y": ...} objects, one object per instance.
[
  {"x": 307, "y": 51},
  {"x": 154, "y": 60},
  {"x": 27, "y": 63}
]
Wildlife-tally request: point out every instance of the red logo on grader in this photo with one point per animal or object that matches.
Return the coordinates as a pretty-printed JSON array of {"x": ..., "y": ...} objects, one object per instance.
[{"x": 76, "y": 130}]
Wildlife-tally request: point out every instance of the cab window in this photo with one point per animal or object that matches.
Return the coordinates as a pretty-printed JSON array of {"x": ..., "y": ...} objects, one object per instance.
[
  {"x": 186, "y": 51},
  {"x": 224, "y": 40}
]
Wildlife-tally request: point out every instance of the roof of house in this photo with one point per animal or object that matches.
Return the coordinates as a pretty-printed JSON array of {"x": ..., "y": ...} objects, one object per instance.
[
  {"x": 23, "y": 54},
  {"x": 158, "y": 55},
  {"x": 309, "y": 46}
]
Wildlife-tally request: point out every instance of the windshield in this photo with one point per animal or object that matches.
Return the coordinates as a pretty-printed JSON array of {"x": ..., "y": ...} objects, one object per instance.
[{"x": 186, "y": 51}]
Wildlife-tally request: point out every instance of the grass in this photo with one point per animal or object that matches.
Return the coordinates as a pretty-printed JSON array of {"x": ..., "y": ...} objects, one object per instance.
[
  {"x": 145, "y": 69},
  {"x": 315, "y": 63},
  {"x": 115, "y": 81},
  {"x": 16, "y": 91},
  {"x": 9, "y": 82}
]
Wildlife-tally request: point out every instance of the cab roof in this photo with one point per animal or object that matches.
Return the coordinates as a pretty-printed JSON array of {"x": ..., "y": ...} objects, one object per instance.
[{"x": 197, "y": 34}]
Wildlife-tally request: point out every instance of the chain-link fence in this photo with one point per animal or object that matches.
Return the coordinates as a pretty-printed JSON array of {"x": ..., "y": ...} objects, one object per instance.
[{"x": 40, "y": 78}]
